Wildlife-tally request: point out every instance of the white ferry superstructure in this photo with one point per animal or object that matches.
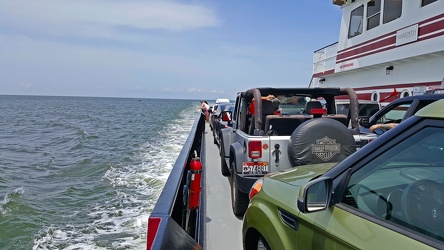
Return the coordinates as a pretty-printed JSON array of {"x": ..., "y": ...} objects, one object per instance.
[{"x": 387, "y": 49}]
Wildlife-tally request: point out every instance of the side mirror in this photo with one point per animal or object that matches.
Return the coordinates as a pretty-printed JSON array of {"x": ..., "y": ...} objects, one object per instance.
[
  {"x": 316, "y": 195},
  {"x": 364, "y": 121},
  {"x": 226, "y": 116}
]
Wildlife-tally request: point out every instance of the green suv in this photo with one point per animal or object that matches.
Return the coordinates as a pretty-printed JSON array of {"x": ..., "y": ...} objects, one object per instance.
[{"x": 387, "y": 195}]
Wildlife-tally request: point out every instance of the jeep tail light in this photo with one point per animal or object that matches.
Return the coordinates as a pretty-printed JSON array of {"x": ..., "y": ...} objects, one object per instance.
[
  {"x": 255, "y": 149},
  {"x": 153, "y": 227},
  {"x": 257, "y": 186},
  {"x": 320, "y": 111}
]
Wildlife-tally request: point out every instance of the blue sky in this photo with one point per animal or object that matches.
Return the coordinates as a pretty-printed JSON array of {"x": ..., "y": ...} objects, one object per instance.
[{"x": 187, "y": 49}]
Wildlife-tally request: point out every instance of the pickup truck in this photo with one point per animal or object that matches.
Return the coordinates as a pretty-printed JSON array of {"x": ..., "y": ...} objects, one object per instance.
[{"x": 265, "y": 137}]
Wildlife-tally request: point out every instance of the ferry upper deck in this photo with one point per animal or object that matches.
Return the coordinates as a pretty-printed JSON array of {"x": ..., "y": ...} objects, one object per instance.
[{"x": 384, "y": 47}]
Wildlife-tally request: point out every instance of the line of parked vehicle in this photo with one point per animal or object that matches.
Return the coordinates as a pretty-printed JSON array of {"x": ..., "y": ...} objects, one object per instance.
[{"x": 304, "y": 175}]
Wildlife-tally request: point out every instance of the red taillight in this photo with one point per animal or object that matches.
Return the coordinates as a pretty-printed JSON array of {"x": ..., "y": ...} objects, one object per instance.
[
  {"x": 320, "y": 111},
  {"x": 226, "y": 117},
  {"x": 255, "y": 149},
  {"x": 257, "y": 186},
  {"x": 153, "y": 227}
]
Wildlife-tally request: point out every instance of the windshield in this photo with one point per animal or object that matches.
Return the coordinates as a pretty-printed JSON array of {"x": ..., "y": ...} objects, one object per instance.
[
  {"x": 365, "y": 109},
  {"x": 291, "y": 105}
]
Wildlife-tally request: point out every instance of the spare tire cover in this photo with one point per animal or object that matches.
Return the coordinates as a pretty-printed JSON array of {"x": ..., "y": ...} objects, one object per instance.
[{"x": 320, "y": 140}]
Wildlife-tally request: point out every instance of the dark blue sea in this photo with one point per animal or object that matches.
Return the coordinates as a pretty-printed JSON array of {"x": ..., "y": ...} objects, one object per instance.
[{"x": 83, "y": 172}]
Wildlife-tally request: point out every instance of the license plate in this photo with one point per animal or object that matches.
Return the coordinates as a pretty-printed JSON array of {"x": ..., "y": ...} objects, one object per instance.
[{"x": 255, "y": 168}]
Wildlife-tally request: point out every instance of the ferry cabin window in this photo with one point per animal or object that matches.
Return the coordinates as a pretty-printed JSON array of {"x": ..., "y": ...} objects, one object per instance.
[
  {"x": 356, "y": 19},
  {"x": 373, "y": 13},
  {"x": 392, "y": 10},
  {"x": 427, "y": 2}
]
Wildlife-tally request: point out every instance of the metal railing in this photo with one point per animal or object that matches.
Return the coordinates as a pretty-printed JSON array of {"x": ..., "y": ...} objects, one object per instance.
[
  {"x": 172, "y": 225},
  {"x": 324, "y": 59}
]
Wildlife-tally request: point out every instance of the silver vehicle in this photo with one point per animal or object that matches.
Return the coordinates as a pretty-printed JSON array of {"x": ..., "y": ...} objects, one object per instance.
[{"x": 265, "y": 137}]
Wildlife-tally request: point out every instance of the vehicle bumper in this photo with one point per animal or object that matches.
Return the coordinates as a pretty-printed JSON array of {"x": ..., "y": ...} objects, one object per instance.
[{"x": 244, "y": 183}]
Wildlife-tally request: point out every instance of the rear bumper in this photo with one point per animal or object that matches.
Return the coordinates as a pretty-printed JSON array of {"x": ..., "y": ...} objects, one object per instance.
[{"x": 244, "y": 183}]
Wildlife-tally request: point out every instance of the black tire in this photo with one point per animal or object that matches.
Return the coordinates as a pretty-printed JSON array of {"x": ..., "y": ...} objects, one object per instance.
[
  {"x": 223, "y": 164},
  {"x": 325, "y": 131},
  {"x": 214, "y": 140},
  {"x": 239, "y": 200},
  {"x": 262, "y": 244}
]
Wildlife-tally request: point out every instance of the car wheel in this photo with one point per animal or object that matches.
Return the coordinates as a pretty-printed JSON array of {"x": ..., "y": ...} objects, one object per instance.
[
  {"x": 262, "y": 244},
  {"x": 239, "y": 200},
  {"x": 223, "y": 164}
]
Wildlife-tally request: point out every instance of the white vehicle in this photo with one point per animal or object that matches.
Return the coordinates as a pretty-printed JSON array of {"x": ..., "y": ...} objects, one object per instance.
[
  {"x": 222, "y": 100},
  {"x": 387, "y": 49}
]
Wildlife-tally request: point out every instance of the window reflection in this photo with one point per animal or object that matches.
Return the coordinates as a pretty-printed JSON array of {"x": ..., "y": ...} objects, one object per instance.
[
  {"x": 373, "y": 13},
  {"x": 405, "y": 184},
  {"x": 426, "y": 2},
  {"x": 392, "y": 10},
  {"x": 377, "y": 11},
  {"x": 356, "y": 19}
]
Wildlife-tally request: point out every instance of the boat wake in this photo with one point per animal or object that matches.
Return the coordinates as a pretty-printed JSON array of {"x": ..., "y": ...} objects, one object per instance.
[{"x": 118, "y": 219}]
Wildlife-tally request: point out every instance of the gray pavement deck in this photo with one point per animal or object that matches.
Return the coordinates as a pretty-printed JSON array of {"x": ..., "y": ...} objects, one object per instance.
[{"x": 223, "y": 230}]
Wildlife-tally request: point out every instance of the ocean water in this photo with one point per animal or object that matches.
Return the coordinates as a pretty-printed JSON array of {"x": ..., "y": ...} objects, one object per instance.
[{"x": 85, "y": 173}]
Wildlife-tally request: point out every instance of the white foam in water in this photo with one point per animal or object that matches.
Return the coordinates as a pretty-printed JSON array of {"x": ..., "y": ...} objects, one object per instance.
[
  {"x": 9, "y": 197},
  {"x": 54, "y": 238},
  {"x": 128, "y": 221}
]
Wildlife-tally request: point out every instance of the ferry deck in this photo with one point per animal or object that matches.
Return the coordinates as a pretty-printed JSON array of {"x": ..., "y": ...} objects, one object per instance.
[{"x": 223, "y": 230}]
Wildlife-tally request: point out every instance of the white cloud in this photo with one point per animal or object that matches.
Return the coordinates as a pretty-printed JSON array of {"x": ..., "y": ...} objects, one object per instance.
[
  {"x": 25, "y": 51},
  {"x": 195, "y": 90},
  {"x": 100, "y": 18},
  {"x": 27, "y": 85},
  {"x": 201, "y": 90},
  {"x": 143, "y": 47}
]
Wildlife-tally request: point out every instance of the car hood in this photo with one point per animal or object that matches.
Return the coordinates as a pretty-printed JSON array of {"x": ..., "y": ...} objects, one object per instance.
[
  {"x": 282, "y": 188},
  {"x": 300, "y": 175}
]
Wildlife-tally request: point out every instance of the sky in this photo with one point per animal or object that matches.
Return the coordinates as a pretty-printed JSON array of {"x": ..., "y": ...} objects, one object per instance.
[{"x": 173, "y": 49}]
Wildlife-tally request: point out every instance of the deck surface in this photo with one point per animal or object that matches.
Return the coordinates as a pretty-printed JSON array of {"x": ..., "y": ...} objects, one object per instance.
[{"x": 223, "y": 230}]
